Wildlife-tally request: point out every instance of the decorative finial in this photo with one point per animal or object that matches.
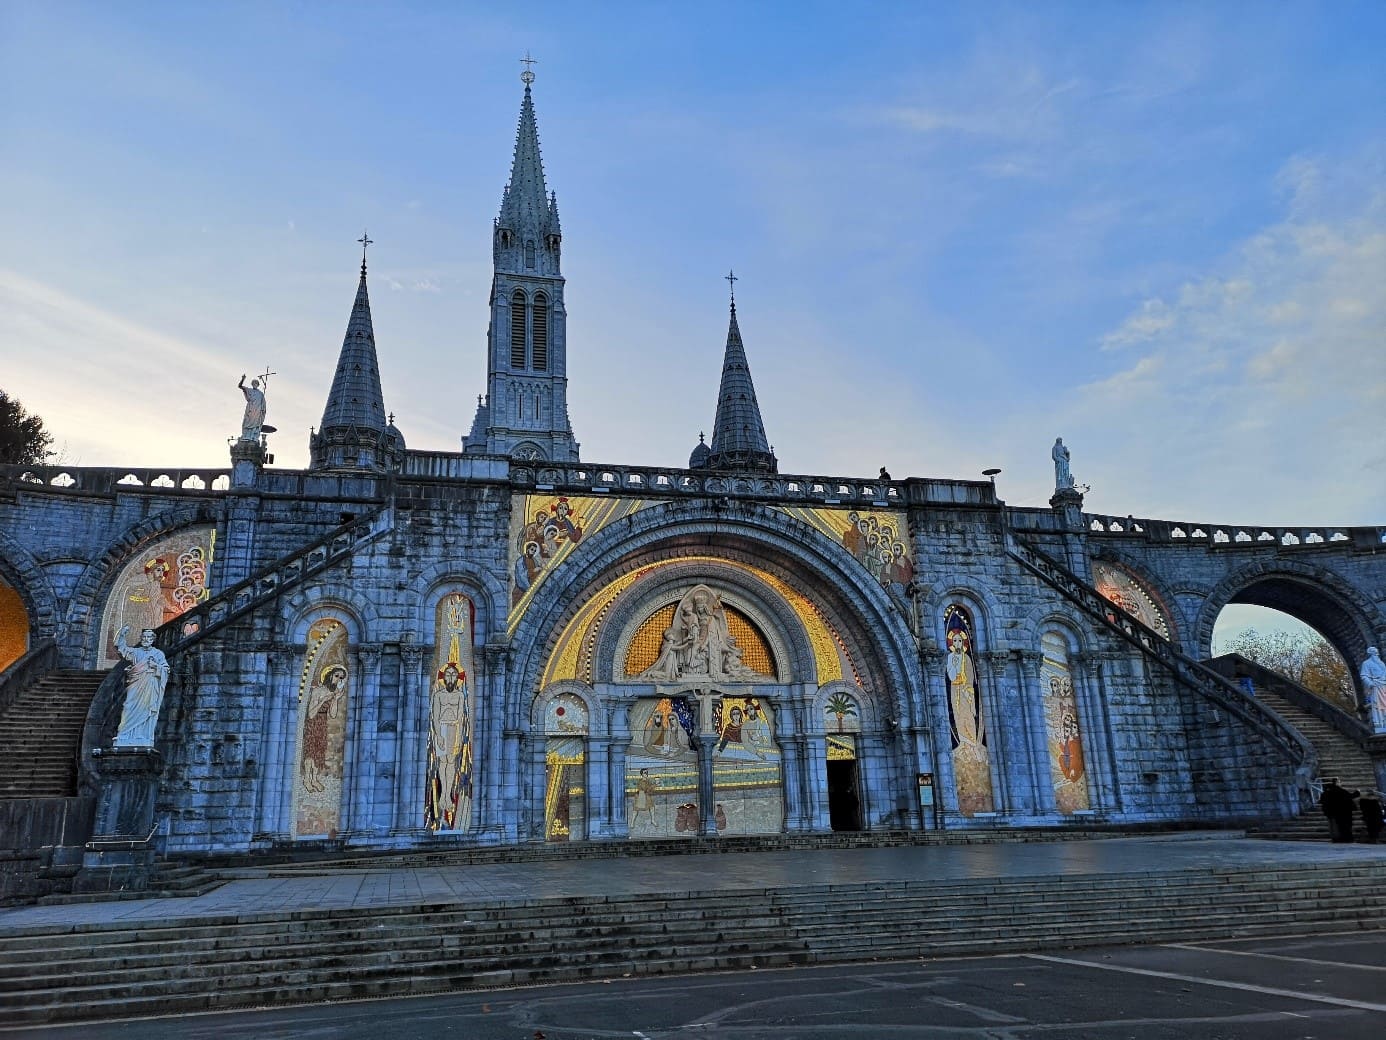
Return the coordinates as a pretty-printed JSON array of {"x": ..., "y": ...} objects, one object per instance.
[
  {"x": 732, "y": 280},
  {"x": 392, "y": 418},
  {"x": 366, "y": 241},
  {"x": 700, "y": 436},
  {"x": 527, "y": 77}
]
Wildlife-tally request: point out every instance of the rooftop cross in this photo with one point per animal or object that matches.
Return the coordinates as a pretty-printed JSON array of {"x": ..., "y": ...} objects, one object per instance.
[
  {"x": 527, "y": 77},
  {"x": 366, "y": 241},
  {"x": 732, "y": 280}
]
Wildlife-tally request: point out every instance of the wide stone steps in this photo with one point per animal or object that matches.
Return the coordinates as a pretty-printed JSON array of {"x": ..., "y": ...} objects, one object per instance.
[
  {"x": 194, "y": 964},
  {"x": 41, "y": 733}
]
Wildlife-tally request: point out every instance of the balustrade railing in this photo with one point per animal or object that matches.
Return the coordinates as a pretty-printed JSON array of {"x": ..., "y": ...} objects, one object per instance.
[
  {"x": 106, "y": 479},
  {"x": 1235, "y": 536}
]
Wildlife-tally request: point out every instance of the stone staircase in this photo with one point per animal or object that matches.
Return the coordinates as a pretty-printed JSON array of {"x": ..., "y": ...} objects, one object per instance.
[
  {"x": 41, "y": 732},
  {"x": 1217, "y": 689},
  {"x": 182, "y": 965},
  {"x": 1340, "y": 755}
]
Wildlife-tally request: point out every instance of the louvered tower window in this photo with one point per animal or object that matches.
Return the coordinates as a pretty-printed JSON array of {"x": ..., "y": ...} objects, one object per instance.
[
  {"x": 541, "y": 332},
  {"x": 517, "y": 330}
]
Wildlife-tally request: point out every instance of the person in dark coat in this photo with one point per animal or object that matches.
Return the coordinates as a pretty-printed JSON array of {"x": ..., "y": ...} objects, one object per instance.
[
  {"x": 1336, "y": 804},
  {"x": 1369, "y": 805}
]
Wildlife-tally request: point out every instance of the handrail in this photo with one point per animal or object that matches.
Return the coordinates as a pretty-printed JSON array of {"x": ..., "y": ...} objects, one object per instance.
[
  {"x": 41, "y": 659},
  {"x": 1233, "y": 536},
  {"x": 1215, "y": 687},
  {"x": 1306, "y": 700},
  {"x": 200, "y": 621},
  {"x": 196, "y": 624}
]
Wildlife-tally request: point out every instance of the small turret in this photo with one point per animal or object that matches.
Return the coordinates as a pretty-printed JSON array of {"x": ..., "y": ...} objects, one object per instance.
[
  {"x": 355, "y": 433},
  {"x": 738, "y": 434}
]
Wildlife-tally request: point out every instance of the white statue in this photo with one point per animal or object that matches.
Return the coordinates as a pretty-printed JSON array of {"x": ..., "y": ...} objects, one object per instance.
[
  {"x": 1063, "y": 476},
  {"x": 1374, "y": 687},
  {"x": 254, "y": 416},
  {"x": 145, "y": 680}
]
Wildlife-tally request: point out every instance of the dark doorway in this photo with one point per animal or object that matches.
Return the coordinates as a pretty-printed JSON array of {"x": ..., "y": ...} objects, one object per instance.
[{"x": 844, "y": 805}]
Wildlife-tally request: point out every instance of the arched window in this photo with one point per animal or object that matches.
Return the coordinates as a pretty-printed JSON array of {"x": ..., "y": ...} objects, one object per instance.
[
  {"x": 517, "y": 330},
  {"x": 966, "y": 717},
  {"x": 1063, "y": 728},
  {"x": 541, "y": 333}
]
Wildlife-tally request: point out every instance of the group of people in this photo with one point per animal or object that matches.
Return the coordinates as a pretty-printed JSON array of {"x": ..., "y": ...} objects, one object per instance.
[
  {"x": 877, "y": 544},
  {"x": 539, "y": 542},
  {"x": 1337, "y": 804}
]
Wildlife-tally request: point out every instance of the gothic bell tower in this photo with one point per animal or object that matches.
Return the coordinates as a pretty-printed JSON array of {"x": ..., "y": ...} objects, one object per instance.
[{"x": 525, "y": 412}]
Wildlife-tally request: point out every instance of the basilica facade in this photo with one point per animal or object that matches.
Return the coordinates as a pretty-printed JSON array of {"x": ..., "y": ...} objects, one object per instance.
[{"x": 509, "y": 644}]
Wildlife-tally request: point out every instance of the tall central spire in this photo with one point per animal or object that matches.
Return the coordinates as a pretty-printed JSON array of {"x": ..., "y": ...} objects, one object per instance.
[
  {"x": 525, "y": 412},
  {"x": 738, "y": 434}
]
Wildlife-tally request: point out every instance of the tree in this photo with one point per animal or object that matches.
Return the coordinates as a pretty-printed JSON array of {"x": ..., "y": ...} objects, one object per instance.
[
  {"x": 23, "y": 440},
  {"x": 1305, "y": 658}
]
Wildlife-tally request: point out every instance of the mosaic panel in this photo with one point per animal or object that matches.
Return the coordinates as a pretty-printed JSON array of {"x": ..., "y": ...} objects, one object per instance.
[
  {"x": 164, "y": 580},
  {"x": 841, "y": 714},
  {"x": 966, "y": 718},
  {"x": 448, "y": 781},
  {"x": 14, "y": 627},
  {"x": 1121, "y": 587},
  {"x": 565, "y": 794},
  {"x": 324, "y": 695},
  {"x": 878, "y": 538},
  {"x": 571, "y": 657},
  {"x": 747, "y": 771},
  {"x": 662, "y": 769},
  {"x": 564, "y": 715},
  {"x": 1061, "y": 725},
  {"x": 544, "y": 530}
]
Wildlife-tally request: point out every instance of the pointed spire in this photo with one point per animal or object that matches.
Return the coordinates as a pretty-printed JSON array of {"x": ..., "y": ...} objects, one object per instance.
[
  {"x": 354, "y": 431},
  {"x": 738, "y": 434},
  {"x": 525, "y": 206}
]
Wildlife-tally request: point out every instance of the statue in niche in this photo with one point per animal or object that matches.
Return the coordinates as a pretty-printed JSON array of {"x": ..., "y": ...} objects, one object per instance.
[
  {"x": 699, "y": 643},
  {"x": 145, "y": 680},
  {"x": 1374, "y": 686},
  {"x": 254, "y": 417},
  {"x": 1063, "y": 476}
]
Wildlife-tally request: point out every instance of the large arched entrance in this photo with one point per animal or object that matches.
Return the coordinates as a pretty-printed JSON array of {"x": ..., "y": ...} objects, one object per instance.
[{"x": 736, "y": 674}]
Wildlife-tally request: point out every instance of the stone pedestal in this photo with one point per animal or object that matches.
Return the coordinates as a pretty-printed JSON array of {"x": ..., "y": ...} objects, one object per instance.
[{"x": 120, "y": 855}]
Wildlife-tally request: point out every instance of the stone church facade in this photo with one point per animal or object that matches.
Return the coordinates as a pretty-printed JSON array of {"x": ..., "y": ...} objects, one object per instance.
[{"x": 508, "y": 644}]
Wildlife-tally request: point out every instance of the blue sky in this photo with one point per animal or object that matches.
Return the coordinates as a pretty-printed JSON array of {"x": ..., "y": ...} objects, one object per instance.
[{"x": 961, "y": 230}]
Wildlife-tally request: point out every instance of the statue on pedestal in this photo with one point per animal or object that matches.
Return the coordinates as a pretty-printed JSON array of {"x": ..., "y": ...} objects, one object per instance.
[
  {"x": 1374, "y": 687},
  {"x": 145, "y": 680},
  {"x": 254, "y": 417},
  {"x": 1063, "y": 476}
]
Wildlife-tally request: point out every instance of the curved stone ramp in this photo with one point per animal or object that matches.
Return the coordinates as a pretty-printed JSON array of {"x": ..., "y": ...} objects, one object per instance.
[{"x": 171, "y": 964}]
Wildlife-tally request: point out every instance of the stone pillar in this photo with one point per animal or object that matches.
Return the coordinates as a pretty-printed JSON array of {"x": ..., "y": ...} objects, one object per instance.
[
  {"x": 1093, "y": 730},
  {"x": 498, "y": 752},
  {"x": 1005, "y": 749},
  {"x": 794, "y": 776},
  {"x": 277, "y": 740},
  {"x": 932, "y": 663},
  {"x": 236, "y": 554},
  {"x": 120, "y": 855},
  {"x": 412, "y": 765},
  {"x": 1067, "y": 504},
  {"x": 1030, "y": 701},
  {"x": 600, "y": 793},
  {"x": 618, "y": 823},
  {"x": 359, "y": 769},
  {"x": 707, "y": 790},
  {"x": 534, "y": 770}
]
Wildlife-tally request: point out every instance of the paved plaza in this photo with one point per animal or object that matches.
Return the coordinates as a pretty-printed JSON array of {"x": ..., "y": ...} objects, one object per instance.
[
  {"x": 1290, "y": 988},
  {"x": 288, "y": 890}
]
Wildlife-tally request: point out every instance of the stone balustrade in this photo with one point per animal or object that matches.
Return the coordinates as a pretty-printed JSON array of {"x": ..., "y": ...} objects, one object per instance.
[
  {"x": 109, "y": 480},
  {"x": 1234, "y": 536}
]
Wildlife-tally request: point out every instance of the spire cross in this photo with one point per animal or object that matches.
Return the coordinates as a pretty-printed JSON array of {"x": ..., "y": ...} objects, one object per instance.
[
  {"x": 527, "y": 77},
  {"x": 366, "y": 241},
  {"x": 732, "y": 280}
]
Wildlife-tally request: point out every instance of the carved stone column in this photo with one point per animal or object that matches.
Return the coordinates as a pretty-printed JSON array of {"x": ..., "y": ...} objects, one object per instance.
[
  {"x": 932, "y": 663},
  {"x": 359, "y": 769},
  {"x": 277, "y": 739},
  {"x": 120, "y": 855},
  {"x": 1030, "y": 665},
  {"x": 412, "y": 764}
]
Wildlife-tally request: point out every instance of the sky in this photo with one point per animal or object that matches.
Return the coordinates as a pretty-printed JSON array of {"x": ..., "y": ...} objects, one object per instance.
[{"x": 961, "y": 230}]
